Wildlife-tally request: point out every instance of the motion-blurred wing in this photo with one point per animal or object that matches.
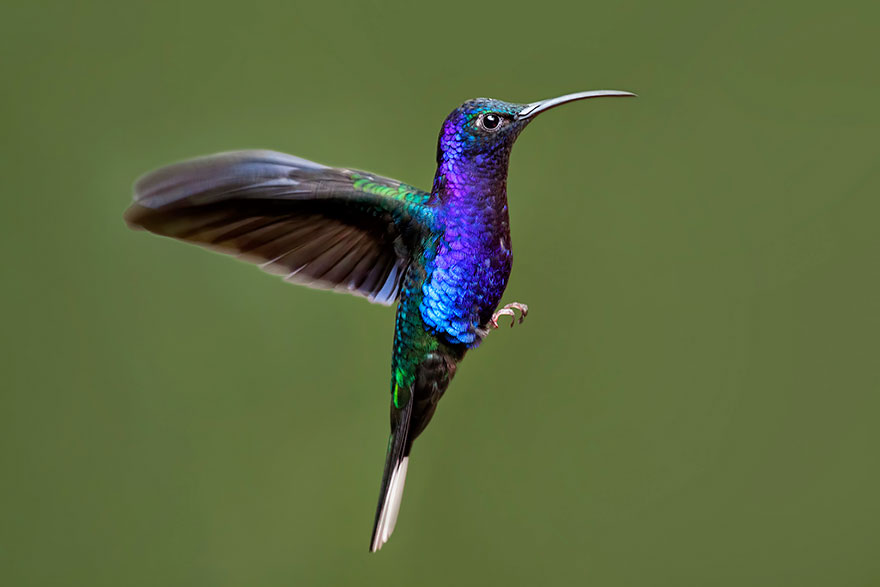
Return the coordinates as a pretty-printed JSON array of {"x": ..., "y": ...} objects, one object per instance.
[{"x": 318, "y": 226}]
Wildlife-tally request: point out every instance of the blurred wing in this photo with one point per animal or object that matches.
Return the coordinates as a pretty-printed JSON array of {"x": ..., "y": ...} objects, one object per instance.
[{"x": 319, "y": 226}]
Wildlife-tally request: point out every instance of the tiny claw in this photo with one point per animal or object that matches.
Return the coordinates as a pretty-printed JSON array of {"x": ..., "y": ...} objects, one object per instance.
[
  {"x": 502, "y": 312},
  {"x": 508, "y": 310},
  {"x": 524, "y": 310}
]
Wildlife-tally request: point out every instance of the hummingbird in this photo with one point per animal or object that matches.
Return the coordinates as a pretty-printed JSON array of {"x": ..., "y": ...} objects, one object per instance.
[{"x": 443, "y": 255}]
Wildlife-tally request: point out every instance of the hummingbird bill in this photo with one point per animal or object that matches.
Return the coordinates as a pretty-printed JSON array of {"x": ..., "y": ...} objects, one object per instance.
[{"x": 443, "y": 256}]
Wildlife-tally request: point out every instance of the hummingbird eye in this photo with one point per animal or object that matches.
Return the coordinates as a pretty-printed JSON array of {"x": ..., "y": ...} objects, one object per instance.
[{"x": 489, "y": 122}]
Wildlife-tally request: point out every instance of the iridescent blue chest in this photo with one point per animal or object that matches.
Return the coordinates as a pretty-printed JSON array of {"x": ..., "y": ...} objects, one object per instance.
[{"x": 467, "y": 270}]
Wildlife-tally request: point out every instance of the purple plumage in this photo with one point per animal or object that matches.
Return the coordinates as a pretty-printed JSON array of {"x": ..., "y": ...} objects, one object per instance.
[{"x": 473, "y": 258}]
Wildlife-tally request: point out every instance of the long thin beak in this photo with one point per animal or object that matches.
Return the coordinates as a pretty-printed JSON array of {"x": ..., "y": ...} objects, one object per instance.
[{"x": 536, "y": 108}]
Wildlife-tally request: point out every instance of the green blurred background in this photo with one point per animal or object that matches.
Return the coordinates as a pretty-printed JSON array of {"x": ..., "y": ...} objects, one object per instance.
[{"x": 692, "y": 401}]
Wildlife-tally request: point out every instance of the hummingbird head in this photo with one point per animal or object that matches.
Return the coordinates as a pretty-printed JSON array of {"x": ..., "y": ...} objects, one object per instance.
[{"x": 477, "y": 137}]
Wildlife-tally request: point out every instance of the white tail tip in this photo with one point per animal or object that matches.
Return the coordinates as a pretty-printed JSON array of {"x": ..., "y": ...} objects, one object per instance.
[{"x": 391, "y": 506}]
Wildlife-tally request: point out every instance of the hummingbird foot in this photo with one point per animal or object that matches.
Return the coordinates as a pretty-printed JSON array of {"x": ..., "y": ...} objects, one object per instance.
[{"x": 508, "y": 310}]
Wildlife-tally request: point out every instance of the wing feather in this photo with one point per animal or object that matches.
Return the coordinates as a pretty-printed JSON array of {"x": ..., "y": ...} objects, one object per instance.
[{"x": 315, "y": 225}]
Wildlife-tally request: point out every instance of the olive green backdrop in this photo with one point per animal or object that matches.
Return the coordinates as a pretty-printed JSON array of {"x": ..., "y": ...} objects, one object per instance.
[{"x": 693, "y": 399}]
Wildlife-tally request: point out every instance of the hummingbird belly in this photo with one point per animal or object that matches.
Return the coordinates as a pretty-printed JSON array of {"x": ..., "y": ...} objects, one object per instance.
[{"x": 465, "y": 281}]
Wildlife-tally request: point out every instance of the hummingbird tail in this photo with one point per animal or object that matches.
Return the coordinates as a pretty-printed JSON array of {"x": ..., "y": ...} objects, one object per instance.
[{"x": 393, "y": 479}]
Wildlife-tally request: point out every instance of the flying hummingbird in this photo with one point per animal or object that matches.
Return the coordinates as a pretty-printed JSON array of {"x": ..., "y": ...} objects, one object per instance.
[{"x": 443, "y": 255}]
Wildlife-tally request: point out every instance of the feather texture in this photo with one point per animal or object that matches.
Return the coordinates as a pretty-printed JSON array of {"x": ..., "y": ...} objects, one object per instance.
[
  {"x": 318, "y": 226},
  {"x": 393, "y": 477}
]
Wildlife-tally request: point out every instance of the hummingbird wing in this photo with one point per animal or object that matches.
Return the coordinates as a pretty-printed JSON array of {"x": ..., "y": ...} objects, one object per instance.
[{"x": 319, "y": 226}]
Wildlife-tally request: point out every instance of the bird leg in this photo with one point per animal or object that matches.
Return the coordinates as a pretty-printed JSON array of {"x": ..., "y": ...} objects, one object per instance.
[{"x": 508, "y": 310}]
